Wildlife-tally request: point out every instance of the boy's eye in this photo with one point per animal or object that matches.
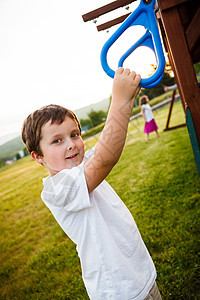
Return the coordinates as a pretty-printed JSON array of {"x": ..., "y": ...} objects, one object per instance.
[
  {"x": 56, "y": 141},
  {"x": 75, "y": 134}
]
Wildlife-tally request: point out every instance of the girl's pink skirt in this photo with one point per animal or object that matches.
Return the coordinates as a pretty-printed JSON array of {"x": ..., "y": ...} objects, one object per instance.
[{"x": 150, "y": 126}]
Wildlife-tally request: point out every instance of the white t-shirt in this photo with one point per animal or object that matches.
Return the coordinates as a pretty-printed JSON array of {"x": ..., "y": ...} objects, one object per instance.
[
  {"x": 115, "y": 262},
  {"x": 147, "y": 112}
]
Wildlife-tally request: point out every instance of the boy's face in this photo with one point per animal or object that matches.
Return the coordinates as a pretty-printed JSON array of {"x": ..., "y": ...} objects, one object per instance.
[{"x": 61, "y": 145}]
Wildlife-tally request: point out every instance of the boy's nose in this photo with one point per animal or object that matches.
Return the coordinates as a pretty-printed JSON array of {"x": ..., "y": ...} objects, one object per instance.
[{"x": 70, "y": 145}]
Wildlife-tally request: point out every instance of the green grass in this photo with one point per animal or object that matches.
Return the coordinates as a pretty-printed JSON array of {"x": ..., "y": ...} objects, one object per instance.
[{"x": 159, "y": 183}]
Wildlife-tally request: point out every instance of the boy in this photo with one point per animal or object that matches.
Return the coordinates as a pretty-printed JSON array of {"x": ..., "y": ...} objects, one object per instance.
[{"x": 115, "y": 262}]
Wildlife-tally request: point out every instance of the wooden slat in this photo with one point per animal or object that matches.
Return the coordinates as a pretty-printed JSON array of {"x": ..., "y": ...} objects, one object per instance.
[
  {"x": 193, "y": 31},
  {"x": 105, "y": 9},
  {"x": 165, "y": 4},
  {"x": 112, "y": 22}
]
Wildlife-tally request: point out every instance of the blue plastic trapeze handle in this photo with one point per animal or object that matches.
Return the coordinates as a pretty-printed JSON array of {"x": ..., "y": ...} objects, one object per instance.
[
  {"x": 145, "y": 40},
  {"x": 143, "y": 15}
]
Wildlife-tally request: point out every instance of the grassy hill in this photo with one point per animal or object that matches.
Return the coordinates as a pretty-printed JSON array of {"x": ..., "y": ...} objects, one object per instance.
[
  {"x": 159, "y": 183},
  {"x": 82, "y": 113},
  {"x": 10, "y": 148}
]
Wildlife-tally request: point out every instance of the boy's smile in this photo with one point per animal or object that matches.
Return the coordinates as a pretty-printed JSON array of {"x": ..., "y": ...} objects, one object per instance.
[{"x": 61, "y": 145}]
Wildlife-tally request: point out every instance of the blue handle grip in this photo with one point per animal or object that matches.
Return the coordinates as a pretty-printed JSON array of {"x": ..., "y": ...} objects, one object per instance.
[
  {"x": 143, "y": 15},
  {"x": 145, "y": 40}
]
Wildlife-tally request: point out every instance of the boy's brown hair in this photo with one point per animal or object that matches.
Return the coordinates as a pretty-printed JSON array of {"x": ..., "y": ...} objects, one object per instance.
[{"x": 32, "y": 126}]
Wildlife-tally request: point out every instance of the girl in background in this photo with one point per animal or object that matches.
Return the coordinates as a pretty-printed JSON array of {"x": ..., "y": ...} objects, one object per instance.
[{"x": 150, "y": 124}]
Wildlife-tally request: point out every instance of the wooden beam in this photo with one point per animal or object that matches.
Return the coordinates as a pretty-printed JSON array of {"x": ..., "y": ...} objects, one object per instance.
[
  {"x": 165, "y": 4},
  {"x": 175, "y": 127},
  {"x": 105, "y": 9},
  {"x": 170, "y": 110},
  {"x": 182, "y": 62},
  {"x": 169, "y": 115},
  {"x": 193, "y": 31},
  {"x": 112, "y": 22}
]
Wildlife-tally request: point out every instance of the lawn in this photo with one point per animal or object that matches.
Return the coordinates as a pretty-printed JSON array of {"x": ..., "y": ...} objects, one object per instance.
[{"x": 159, "y": 183}]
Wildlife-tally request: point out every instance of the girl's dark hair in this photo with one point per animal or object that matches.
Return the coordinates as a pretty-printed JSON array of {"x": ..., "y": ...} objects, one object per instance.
[
  {"x": 143, "y": 100},
  {"x": 32, "y": 126}
]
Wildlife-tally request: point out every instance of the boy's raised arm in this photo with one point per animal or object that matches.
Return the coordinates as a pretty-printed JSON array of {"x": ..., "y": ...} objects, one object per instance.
[{"x": 111, "y": 141}]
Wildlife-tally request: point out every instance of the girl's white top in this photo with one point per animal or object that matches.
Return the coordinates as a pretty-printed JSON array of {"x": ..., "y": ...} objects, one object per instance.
[
  {"x": 115, "y": 262},
  {"x": 147, "y": 112}
]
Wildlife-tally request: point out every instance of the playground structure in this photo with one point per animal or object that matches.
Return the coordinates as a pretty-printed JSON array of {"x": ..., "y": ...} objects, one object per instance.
[{"x": 179, "y": 25}]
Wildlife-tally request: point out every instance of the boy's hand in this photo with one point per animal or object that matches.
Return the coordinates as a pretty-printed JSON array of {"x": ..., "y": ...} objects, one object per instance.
[{"x": 125, "y": 86}]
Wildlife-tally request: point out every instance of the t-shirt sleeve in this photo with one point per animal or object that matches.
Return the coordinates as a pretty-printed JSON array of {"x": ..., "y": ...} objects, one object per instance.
[{"x": 67, "y": 190}]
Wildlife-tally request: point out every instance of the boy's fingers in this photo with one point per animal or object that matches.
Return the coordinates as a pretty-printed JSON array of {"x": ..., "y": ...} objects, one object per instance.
[
  {"x": 119, "y": 70},
  {"x": 127, "y": 71},
  {"x": 138, "y": 78},
  {"x": 133, "y": 74}
]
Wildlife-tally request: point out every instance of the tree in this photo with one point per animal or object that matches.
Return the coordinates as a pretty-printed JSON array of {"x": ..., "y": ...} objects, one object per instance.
[
  {"x": 25, "y": 151},
  {"x": 97, "y": 117},
  {"x": 17, "y": 156},
  {"x": 159, "y": 89},
  {"x": 86, "y": 122},
  {"x": 197, "y": 68}
]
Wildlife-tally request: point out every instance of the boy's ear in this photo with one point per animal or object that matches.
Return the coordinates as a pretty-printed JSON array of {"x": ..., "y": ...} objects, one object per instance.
[{"x": 37, "y": 157}]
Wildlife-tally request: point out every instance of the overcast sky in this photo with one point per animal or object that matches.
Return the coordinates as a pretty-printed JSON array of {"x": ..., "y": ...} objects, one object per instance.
[{"x": 49, "y": 55}]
